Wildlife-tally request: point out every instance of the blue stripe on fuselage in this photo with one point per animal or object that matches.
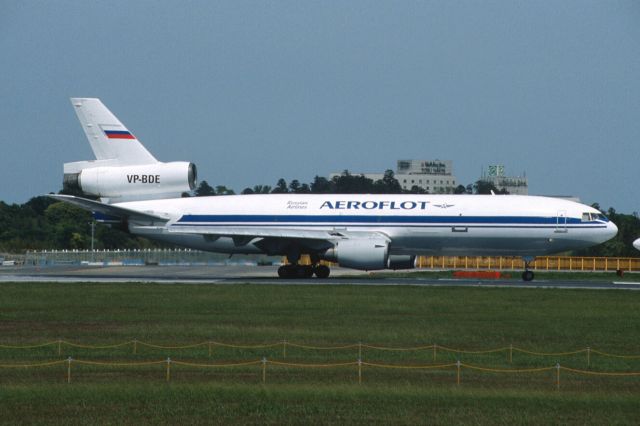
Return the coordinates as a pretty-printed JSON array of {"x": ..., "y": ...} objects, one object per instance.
[{"x": 377, "y": 220}]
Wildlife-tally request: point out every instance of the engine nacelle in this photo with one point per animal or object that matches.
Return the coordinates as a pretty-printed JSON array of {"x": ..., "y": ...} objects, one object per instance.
[
  {"x": 401, "y": 262},
  {"x": 366, "y": 253},
  {"x": 127, "y": 182}
]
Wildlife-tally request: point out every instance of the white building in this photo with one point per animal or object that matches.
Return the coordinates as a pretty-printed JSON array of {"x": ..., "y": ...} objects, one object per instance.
[{"x": 517, "y": 185}]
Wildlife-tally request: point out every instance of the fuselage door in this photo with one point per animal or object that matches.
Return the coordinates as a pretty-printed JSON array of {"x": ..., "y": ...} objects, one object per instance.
[{"x": 561, "y": 221}]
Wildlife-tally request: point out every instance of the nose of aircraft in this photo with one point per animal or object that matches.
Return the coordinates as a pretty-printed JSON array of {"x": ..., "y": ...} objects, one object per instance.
[{"x": 611, "y": 231}]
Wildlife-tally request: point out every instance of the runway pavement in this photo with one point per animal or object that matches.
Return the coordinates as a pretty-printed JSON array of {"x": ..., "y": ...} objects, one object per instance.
[{"x": 242, "y": 274}]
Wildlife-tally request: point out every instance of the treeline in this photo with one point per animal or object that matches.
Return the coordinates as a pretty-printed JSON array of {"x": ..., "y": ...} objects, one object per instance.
[
  {"x": 345, "y": 183},
  {"x": 44, "y": 223}
]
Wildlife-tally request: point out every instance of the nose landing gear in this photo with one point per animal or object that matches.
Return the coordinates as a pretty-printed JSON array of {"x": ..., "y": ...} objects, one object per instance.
[{"x": 528, "y": 274}]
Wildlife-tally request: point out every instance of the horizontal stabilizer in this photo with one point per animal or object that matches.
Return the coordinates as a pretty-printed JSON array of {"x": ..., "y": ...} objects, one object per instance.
[{"x": 108, "y": 209}]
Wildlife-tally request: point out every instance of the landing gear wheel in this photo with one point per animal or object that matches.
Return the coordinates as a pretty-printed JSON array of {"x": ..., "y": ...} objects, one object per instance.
[
  {"x": 308, "y": 271},
  {"x": 527, "y": 276},
  {"x": 322, "y": 271},
  {"x": 285, "y": 271},
  {"x": 303, "y": 271},
  {"x": 295, "y": 271}
]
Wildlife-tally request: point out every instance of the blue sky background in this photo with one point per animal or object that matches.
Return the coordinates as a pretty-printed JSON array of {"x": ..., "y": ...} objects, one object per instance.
[{"x": 254, "y": 91}]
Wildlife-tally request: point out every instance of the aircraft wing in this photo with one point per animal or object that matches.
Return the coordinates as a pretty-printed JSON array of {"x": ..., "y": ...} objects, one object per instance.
[
  {"x": 108, "y": 209},
  {"x": 273, "y": 232}
]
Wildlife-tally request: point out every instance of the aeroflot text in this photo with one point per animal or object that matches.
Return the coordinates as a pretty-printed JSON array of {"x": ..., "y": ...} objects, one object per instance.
[{"x": 372, "y": 205}]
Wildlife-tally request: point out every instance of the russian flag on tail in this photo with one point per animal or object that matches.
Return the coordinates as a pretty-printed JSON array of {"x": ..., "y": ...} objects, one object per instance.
[{"x": 118, "y": 134}]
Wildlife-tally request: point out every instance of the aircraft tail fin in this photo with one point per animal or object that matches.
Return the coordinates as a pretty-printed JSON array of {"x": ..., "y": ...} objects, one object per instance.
[
  {"x": 109, "y": 138},
  {"x": 123, "y": 169}
]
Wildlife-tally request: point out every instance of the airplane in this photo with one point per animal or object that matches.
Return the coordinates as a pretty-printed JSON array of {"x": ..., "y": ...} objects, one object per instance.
[{"x": 360, "y": 231}]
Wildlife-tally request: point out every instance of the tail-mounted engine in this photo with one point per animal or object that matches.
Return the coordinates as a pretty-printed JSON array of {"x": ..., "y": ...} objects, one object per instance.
[{"x": 135, "y": 182}]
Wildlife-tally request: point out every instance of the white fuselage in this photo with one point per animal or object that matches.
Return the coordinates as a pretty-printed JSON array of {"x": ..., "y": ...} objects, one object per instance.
[{"x": 413, "y": 224}]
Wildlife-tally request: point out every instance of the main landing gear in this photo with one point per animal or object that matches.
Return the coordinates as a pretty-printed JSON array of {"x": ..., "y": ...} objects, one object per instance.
[
  {"x": 527, "y": 275},
  {"x": 295, "y": 270},
  {"x": 303, "y": 271}
]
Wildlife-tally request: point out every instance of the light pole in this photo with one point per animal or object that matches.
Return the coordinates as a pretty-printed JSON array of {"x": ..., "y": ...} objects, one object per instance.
[{"x": 93, "y": 230}]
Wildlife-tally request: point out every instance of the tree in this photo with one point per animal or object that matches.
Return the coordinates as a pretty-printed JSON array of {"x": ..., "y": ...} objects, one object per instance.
[
  {"x": 485, "y": 187},
  {"x": 68, "y": 226},
  {"x": 305, "y": 189},
  {"x": 223, "y": 190},
  {"x": 262, "y": 189},
  {"x": 281, "y": 187},
  {"x": 415, "y": 189},
  {"x": 388, "y": 184},
  {"x": 322, "y": 185},
  {"x": 347, "y": 183},
  {"x": 296, "y": 187},
  {"x": 460, "y": 189},
  {"x": 40, "y": 204},
  {"x": 204, "y": 190}
]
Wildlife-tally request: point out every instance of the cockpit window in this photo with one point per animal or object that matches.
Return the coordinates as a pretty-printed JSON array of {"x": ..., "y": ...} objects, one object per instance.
[{"x": 590, "y": 217}]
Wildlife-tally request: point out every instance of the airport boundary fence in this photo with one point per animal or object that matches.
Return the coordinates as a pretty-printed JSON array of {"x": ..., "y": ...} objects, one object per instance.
[
  {"x": 138, "y": 257},
  {"x": 195, "y": 257},
  {"x": 541, "y": 263}
]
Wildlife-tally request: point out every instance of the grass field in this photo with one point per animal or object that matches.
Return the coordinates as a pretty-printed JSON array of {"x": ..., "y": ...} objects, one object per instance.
[{"x": 539, "y": 320}]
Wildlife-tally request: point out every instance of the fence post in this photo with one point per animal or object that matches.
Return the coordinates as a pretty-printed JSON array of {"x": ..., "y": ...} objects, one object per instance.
[
  {"x": 168, "y": 369},
  {"x": 359, "y": 350},
  {"x": 264, "y": 370},
  {"x": 359, "y": 371},
  {"x": 458, "y": 367},
  {"x": 558, "y": 376},
  {"x": 69, "y": 370}
]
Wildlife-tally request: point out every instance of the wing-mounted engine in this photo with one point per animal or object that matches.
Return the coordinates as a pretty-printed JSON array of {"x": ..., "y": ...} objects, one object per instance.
[
  {"x": 367, "y": 253},
  {"x": 360, "y": 253},
  {"x": 130, "y": 182},
  {"x": 396, "y": 261}
]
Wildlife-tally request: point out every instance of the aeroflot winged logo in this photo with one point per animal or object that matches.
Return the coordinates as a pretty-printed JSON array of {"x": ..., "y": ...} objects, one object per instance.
[{"x": 374, "y": 205}]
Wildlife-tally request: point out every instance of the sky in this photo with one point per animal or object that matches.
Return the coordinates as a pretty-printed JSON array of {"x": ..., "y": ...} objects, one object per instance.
[{"x": 254, "y": 91}]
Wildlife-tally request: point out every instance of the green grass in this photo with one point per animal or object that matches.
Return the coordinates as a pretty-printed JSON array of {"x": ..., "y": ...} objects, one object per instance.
[{"x": 542, "y": 320}]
